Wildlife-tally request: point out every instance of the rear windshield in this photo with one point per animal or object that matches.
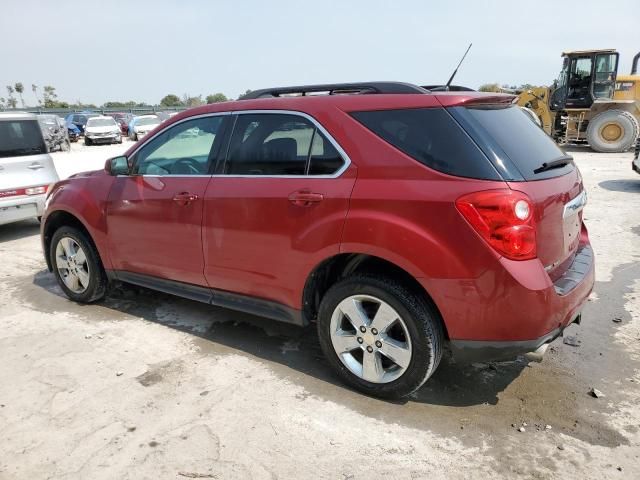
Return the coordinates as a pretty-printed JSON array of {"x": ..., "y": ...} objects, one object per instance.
[
  {"x": 512, "y": 134},
  {"x": 20, "y": 137},
  {"x": 432, "y": 137}
]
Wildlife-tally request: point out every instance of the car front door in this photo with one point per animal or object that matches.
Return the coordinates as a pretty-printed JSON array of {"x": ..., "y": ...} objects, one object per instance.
[
  {"x": 276, "y": 208},
  {"x": 154, "y": 215}
]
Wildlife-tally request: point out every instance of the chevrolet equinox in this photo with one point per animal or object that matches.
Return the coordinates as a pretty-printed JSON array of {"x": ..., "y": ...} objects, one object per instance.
[{"x": 404, "y": 222}]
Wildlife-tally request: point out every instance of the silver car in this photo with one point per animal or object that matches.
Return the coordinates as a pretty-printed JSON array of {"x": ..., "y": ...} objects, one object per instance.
[{"x": 26, "y": 168}]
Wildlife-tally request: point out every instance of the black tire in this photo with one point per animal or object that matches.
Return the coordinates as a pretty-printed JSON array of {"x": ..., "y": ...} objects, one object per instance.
[
  {"x": 420, "y": 317},
  {"x": 87, "y": 141},
  {"x": 619, "y": 119},
  {"x": 98, "y": 281}
]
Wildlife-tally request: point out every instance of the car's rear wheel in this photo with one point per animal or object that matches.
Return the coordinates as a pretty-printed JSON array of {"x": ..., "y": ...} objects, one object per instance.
[
  {"x": 381, "y": 337},
  {"x": 77, "y": 266}
]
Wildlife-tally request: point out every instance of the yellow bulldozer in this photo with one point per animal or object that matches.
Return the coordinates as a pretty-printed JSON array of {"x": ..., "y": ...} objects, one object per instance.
[{"x": 589, "y": 102}]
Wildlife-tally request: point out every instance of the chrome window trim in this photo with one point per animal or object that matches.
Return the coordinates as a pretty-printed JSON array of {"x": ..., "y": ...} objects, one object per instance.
[{"x": 318, "y": 125}]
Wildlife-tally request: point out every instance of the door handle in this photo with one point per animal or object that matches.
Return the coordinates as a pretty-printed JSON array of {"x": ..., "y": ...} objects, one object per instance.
[
  {"x": 184, "y": 198},
  {"x": 305, "y": 198},
  {"x": 35, "y": 166}
]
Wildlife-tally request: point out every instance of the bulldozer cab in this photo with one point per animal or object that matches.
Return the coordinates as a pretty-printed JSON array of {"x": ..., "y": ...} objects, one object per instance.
[{"x": 586, "y": 76}]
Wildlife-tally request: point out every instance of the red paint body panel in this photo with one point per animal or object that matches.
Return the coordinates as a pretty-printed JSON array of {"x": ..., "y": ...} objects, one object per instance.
[
  {"x": 243, "y": 235},
  {"x": 257, "y": 242},
  {"x": 151, "y": 233}
]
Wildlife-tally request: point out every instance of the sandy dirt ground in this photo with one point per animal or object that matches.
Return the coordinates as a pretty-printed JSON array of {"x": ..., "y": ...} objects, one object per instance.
[{"x": 149, "y": 386}]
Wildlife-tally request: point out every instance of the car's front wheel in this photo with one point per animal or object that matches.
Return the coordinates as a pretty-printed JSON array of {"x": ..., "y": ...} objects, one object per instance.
[
  {"x": 381, "y": 337},
  {"x": 77, "y": 266}
]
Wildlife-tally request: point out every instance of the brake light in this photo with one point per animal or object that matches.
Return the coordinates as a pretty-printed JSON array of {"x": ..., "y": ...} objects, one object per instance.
[
  {"x": 24, "y": 191},
  {"x": 35, "y": 190},
  {"x": 504, "y": 219}
]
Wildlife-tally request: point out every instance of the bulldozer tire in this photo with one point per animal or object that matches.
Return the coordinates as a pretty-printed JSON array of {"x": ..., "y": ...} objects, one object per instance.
[{"x": 612, "y": 131}]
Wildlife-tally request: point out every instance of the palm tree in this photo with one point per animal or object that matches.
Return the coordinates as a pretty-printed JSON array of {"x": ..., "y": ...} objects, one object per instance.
[
  {"x": 20, "y": 89},
  {"x": 34, "y": 89}
]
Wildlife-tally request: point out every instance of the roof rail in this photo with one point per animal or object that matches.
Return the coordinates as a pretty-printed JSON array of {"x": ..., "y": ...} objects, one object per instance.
[{"x": 336, "y": 89}]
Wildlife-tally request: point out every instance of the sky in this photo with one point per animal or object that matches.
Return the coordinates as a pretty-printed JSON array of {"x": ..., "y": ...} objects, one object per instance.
[{"x": 117, "y": 50}]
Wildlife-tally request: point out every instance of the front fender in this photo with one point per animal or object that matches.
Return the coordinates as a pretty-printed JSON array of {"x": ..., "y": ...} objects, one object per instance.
[{"x": 83, "y": 197}]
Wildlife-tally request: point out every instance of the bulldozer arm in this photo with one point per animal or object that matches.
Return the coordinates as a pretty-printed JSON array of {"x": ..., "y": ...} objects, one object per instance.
[{"x": 537, "y": 99}]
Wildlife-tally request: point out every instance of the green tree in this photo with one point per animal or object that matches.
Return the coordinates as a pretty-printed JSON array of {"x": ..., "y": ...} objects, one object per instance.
[
  {"x": 490, "y": 87},
  {"x": 50, "y": 96},
  {"x": 189, "y": 101},
  {"x": 20, "y": 89},
  {"x": 129, "y": 104},
  {"x": 34, "y": 89},
  {"x": 11, "y": 100},
  {"x": 217, "y": 98},
  {"x": 171, "y": 100}
]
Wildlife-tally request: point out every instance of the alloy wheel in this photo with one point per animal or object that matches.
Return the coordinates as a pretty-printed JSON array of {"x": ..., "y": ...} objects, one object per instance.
[
  {"x": 370, "y": 338},
  {"x": 72, "y": 265}
]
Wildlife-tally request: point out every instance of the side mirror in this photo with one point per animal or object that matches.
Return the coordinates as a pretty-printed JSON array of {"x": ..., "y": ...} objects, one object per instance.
[{"x": 117, "y": 166}]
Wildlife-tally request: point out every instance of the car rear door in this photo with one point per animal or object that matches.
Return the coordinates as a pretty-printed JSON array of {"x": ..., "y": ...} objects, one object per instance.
[
  {"x": 277, "y": 207},
  {"x": 24, "y": 161},
  {"x": 154, "y": 215}
]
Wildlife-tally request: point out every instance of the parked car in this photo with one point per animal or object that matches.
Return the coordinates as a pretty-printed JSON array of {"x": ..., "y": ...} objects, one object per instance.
[
  {"x": 403, "y": 222},
  {"x": 80, "y": 119},
  {"x": 54, "y": 131},
  {"x": 73, "y": 132},
  {"x": 102, "y": 129},
  {"x": 123, "y": 120},
  {"x": 142, "y": 125},
  {"x": 26, "y": 168},
  {"x": 635, "y": 164}
]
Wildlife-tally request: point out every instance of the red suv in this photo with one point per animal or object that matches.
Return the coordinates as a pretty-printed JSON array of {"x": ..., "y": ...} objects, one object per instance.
[{"x": 403, "y": 221}]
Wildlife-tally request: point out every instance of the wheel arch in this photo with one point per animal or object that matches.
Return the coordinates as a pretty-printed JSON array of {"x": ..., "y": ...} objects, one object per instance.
[
  {"x": 342, "y": 265},
  {"x": 55, "y": 220}
]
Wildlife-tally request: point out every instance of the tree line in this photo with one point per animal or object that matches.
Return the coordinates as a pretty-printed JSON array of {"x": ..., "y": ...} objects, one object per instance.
[{"x": 47, "y": 97}]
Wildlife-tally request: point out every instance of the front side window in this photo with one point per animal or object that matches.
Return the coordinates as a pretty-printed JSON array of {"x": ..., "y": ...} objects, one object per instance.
[
  {"x": 184, "y": 149},
  {"x": 268, "y": 144}
]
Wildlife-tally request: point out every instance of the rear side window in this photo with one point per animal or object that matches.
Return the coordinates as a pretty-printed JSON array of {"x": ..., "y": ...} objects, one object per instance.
[
  {"x": 432, "y": 137},
  {"x": 268, "y": 144},
  {"x": 523, "y": 142},
  {"x": 21, "y": 137}
]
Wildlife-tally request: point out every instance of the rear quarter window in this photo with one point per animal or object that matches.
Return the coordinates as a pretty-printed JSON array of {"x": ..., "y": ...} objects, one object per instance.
[{"x": 432, "y": 137}]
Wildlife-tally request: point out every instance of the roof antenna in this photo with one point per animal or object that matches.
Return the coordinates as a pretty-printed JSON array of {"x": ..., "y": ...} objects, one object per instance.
[{"x": 446, "y": 87}]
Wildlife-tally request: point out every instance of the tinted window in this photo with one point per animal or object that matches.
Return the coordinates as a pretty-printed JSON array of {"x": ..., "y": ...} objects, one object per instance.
[
  {"x": 324, "y": 158},
  {"x": 279, "y": 144},
  {"x": 524, "y": 143},
  {"x": 181, "y": 150},
  {"x": 432, "y": 137},
  {"x": 20, "y": 137}
]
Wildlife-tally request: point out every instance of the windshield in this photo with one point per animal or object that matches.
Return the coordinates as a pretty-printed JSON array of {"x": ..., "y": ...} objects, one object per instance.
[
  {"x": 148, "y": 121},
  {"x": 101, "y": 122},
  {"x": 20, "y": 137}
]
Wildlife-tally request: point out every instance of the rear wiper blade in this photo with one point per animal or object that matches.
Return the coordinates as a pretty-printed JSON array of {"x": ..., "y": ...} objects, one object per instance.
[{"x": 557, "y": 163}]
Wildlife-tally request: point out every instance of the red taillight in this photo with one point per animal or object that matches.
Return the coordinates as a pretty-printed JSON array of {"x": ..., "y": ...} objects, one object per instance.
[
  {"x": 504, "y": 218},
  {"x": 24, "y": 191}
]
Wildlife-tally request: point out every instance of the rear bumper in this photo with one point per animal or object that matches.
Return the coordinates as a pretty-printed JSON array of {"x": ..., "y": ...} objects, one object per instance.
[
  {"x": 515, "y": 311},
  {"x": 21, "y": 208},
  {"x": 469, "y": 351}
]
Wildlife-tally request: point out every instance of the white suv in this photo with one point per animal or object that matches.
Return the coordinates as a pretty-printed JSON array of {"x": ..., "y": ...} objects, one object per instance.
[
  {"x": 102, "y": 130},
  {"x": 26, "y": 168}
]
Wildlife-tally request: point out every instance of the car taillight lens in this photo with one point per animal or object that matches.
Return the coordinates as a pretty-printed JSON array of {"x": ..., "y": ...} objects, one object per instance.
[
  {"x": 504, "y": 219},
  {"x": 36, "y": 190}
]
